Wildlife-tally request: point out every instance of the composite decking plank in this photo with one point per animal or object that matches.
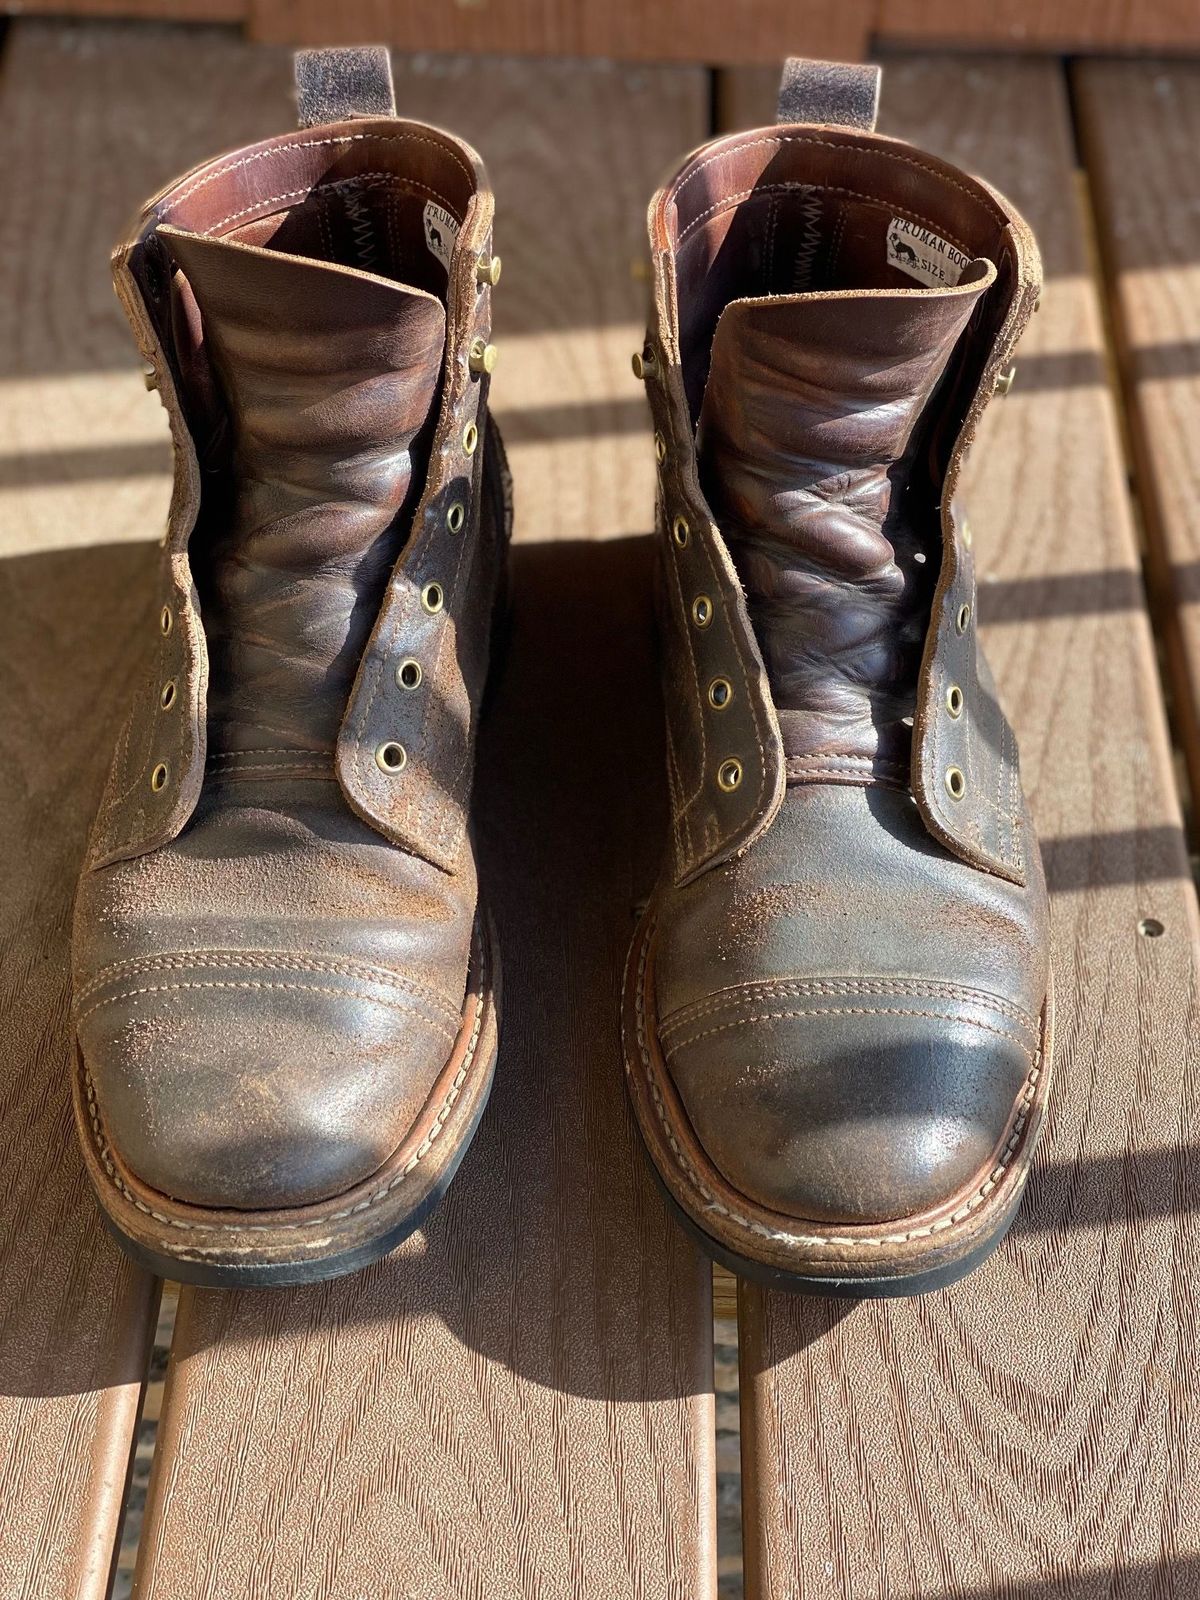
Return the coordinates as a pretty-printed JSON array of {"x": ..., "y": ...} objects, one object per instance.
[
  {"x": 517, "y": 1402},
  {"x": 698, "y": 31},
  {"x": 83, "y": 495},
  {"x": 1140, "y": 125},
  {"x": 1033, "y": 1431}
]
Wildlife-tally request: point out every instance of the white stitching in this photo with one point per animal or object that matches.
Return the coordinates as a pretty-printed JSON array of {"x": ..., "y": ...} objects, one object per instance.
[
  {"x": 980, "y": 200},
  {"x": 317, "y": 144},
  {"x": 842, "y": 1011},
  {"x": 327, "y": 185},
  {"x": 729, "y": 201},
  {"x": 220, "y": 983},
  {"x": 136, "y": 966},
  {"x": 800, "y": 988},
  {"x": 312, "y": 1222},
  {"x": 826, "y": 1241}
]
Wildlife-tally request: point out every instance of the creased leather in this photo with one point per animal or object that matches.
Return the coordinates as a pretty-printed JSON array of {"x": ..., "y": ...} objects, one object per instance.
[
  {"x": 845, "y": 970},
  {"x": 248, "y": 191},
  {"x": 270, "y": 956},
  {"x": 328, "y": 416},
  {"x": 810, "y": 457},
  {"x": 715, "y": 219}
]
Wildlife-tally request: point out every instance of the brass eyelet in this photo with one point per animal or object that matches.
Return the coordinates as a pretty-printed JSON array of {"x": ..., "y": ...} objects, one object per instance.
[
  {"x": 165, "y": 620},
  {"x": 702, "y": 611},
  {"x": 956, "y": 783},
  {"x": 433, "y": 598},
  {"x": 729, "y": 774},
  {"x": 391, "y": 757},
  {"x": 456, "y": 516},
  {"x": 166, "y": 698},
  {"x": 954, "y": 700},
  {"x": 963, "y": 617},
  {"x": 644, "y": 362},
  {"x": 482, "y": 357},
  {"x": 680, "y": 532},
  {"x": 720, "y": 693},
  {"x": 158, "y": 778},
  {"x": 409, "y": 674},
  {"x": 660, "y": 448},
  {"x": 1005, "y": 380},
  {"x": 966, "y": 534},
  {"x": 470, "y": 438},
  {"x": 487, "y": 271}
]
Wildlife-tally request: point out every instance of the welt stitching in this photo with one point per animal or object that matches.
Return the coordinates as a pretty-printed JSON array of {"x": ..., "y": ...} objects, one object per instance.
[
  {"x": 830, "y": 144},
  {"x": 308, "y": 988},
  {"x": 316, "y": 144},
  {"x": 844, "y": 1011},
  {"x": 135, "y": 967},
  {"x": 365, "y": 1204},
  {"x": 752, "y": 993},
  {"x": 847, "y": 1242},
  {"x": 729, "y": 201}
]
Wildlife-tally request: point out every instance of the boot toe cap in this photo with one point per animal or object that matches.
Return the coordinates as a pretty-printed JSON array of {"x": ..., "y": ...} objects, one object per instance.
[
  {"x": 263, "y": 1087},
  {"x": 854, "y": 1111}
]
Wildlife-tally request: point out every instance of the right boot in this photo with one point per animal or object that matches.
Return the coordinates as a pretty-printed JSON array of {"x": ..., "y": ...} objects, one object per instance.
[
  {"x": 284, "y": 983},
  {"x": 837, "y": 1008}
]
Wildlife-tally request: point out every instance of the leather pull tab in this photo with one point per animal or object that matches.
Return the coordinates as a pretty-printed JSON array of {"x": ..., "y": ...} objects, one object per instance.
[
  {"x": 831, "y": 94},
  {"x": 332, "y": 85}
]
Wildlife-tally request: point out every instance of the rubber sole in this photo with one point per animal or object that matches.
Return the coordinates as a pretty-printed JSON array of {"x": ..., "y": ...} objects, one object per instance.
[
  {"x": 903, "y": 1286},
  {"x": 786, "y": 1253},
  {"x": 293, "y": 1274},
  {"x": 341, "y": 1235}
]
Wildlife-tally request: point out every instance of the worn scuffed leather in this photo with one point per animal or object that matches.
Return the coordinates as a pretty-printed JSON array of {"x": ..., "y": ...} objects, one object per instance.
[
  {"x": 809, "y": 443},
  {"x": 850, "y": 963},
  {"x": 272, "y": 943}
]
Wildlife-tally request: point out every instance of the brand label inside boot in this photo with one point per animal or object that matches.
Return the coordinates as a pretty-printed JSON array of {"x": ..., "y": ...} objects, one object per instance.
[
  {"x": 923, "y": 256},
  {"x": 441, "y": 230}
]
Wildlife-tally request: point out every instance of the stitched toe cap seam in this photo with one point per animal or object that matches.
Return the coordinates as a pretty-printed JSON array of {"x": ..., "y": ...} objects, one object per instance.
[
  {"x": 735, "y": 997},
  {"x": 269, "y": 960},
  {"x": 797, "y": 1013},
  {"x": 408, "y": 1006}
]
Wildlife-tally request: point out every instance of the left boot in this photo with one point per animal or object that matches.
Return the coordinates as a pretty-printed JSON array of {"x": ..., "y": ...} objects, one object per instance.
[
  {"x": 837, "y": 1005},
  {"x": 286, "y": 994}
]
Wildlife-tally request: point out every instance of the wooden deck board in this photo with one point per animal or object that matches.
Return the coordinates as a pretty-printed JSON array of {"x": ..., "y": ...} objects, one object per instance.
[
  {"x": 518, "y": 1402},
  {"x": 1140, "y": 123},
  {"x": 1034, "y": 1431},
  {"x": 82, "y": 495}
]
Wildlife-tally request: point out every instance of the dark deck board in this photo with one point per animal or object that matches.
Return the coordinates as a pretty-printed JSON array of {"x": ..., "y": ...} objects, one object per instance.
[{"x": 1032, "y": 1432}]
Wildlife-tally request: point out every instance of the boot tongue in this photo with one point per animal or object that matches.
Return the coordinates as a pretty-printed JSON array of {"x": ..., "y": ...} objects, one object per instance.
[
  {"x": 811, "y": 446},
  {"x": 328, "y": 380}
]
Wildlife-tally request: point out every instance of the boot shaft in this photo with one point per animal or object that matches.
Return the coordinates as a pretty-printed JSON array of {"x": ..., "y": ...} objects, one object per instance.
[
  {"x": 316, "y": 311},
  {"x": 831, "y": 312}
]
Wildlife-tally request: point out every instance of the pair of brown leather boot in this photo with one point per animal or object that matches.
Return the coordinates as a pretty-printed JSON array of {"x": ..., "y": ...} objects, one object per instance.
[{"x": 836, "y": 1008}]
